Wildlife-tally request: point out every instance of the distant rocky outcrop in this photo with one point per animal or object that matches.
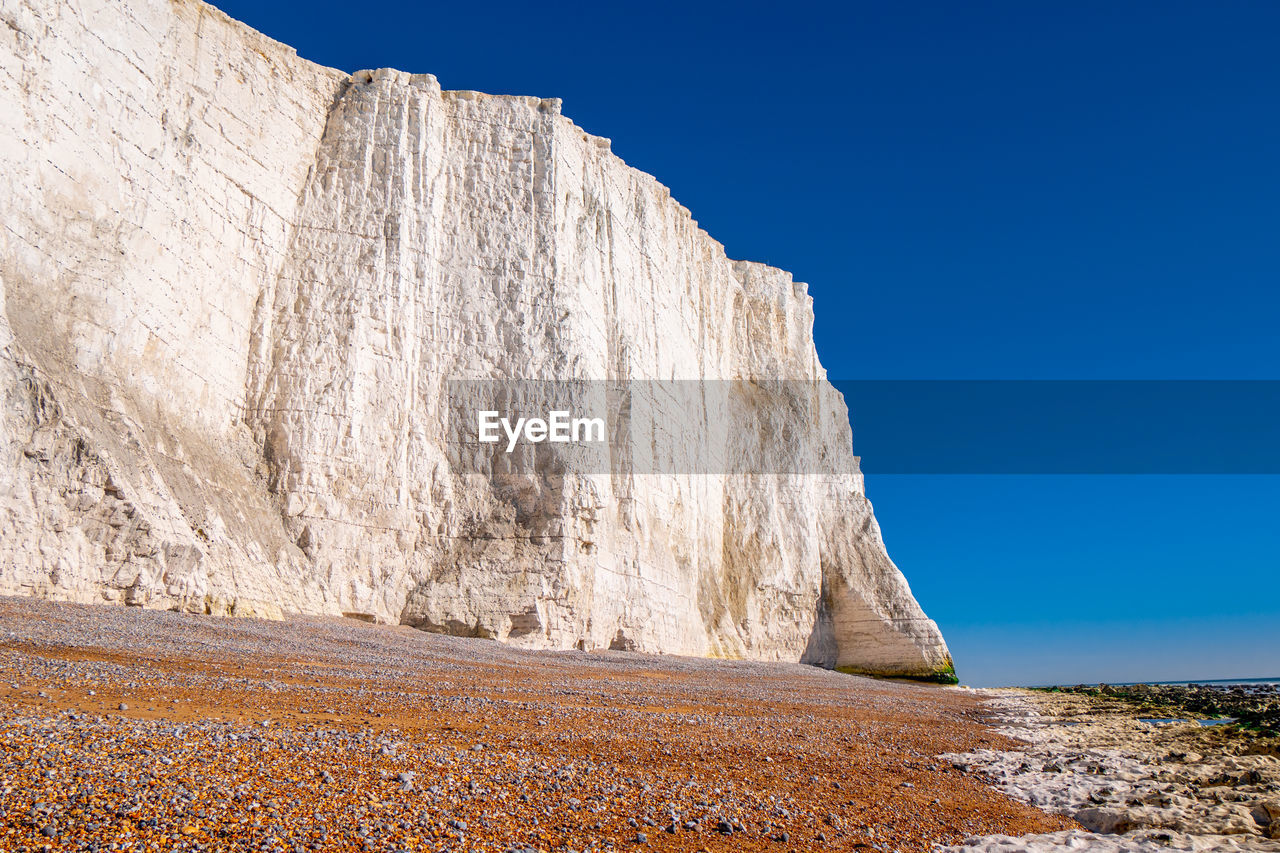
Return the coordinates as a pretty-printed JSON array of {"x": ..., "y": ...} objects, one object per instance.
[{"x": 236, "y": 286}]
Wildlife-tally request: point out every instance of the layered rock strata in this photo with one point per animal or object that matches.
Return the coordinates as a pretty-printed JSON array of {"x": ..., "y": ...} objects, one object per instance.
[{"x": 237, "y": 285}]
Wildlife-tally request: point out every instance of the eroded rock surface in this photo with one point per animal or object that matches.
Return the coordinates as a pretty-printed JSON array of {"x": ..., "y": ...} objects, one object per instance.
[
  {"x": 1137, "y": 784},
  {"x": 236, "y": 286}
]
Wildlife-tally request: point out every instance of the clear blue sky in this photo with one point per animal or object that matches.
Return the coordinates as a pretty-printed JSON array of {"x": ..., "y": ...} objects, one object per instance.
[{"x": 985, "y": 190}]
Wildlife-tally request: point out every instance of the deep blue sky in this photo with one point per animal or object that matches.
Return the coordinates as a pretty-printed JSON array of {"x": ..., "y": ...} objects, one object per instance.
[{"x": 972, "y": 190}]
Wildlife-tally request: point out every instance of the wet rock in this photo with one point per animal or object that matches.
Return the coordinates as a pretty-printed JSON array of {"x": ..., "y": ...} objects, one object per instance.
[{"x": 1107, "y": 821}]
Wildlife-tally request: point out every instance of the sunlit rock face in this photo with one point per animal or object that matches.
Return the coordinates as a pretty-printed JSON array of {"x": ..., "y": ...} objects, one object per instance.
[{"x": 237, "y": 285}]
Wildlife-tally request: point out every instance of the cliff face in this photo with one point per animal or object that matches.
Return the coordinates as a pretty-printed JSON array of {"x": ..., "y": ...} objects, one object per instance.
[{"x": 236, "y": 286}]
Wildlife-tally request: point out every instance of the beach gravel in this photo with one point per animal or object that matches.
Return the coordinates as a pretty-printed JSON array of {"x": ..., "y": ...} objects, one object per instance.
[{"x": 164, "y": 731}]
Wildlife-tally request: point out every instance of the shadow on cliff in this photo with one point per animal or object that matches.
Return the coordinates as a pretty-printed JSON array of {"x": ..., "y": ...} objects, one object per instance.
[{"x": 820, "y": 650}]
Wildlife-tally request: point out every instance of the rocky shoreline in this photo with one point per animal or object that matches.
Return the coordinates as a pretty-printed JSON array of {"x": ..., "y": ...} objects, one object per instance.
[
  {"x": 1141, "y": 768},
  {"x": 1252, "y": 708}
]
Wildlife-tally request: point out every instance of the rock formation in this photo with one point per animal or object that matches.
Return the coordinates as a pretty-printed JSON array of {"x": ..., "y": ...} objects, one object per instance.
[{"x": 236, "y": 286}]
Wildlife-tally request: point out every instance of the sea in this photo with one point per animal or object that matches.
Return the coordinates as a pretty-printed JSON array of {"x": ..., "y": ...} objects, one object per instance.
[
  {"x": 1273, "y": 682},
  {"x": 1213, "y": 682}
]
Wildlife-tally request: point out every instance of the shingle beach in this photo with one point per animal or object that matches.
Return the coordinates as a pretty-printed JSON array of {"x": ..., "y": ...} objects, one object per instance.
[{"x": 129, "y": 729}]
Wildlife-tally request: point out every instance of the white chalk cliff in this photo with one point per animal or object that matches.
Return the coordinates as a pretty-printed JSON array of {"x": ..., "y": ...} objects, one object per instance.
[{"x": 235, "y": 286}]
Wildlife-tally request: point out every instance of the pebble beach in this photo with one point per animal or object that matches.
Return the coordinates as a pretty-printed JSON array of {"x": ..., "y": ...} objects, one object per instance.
[{"x": 130, "y": 729}]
